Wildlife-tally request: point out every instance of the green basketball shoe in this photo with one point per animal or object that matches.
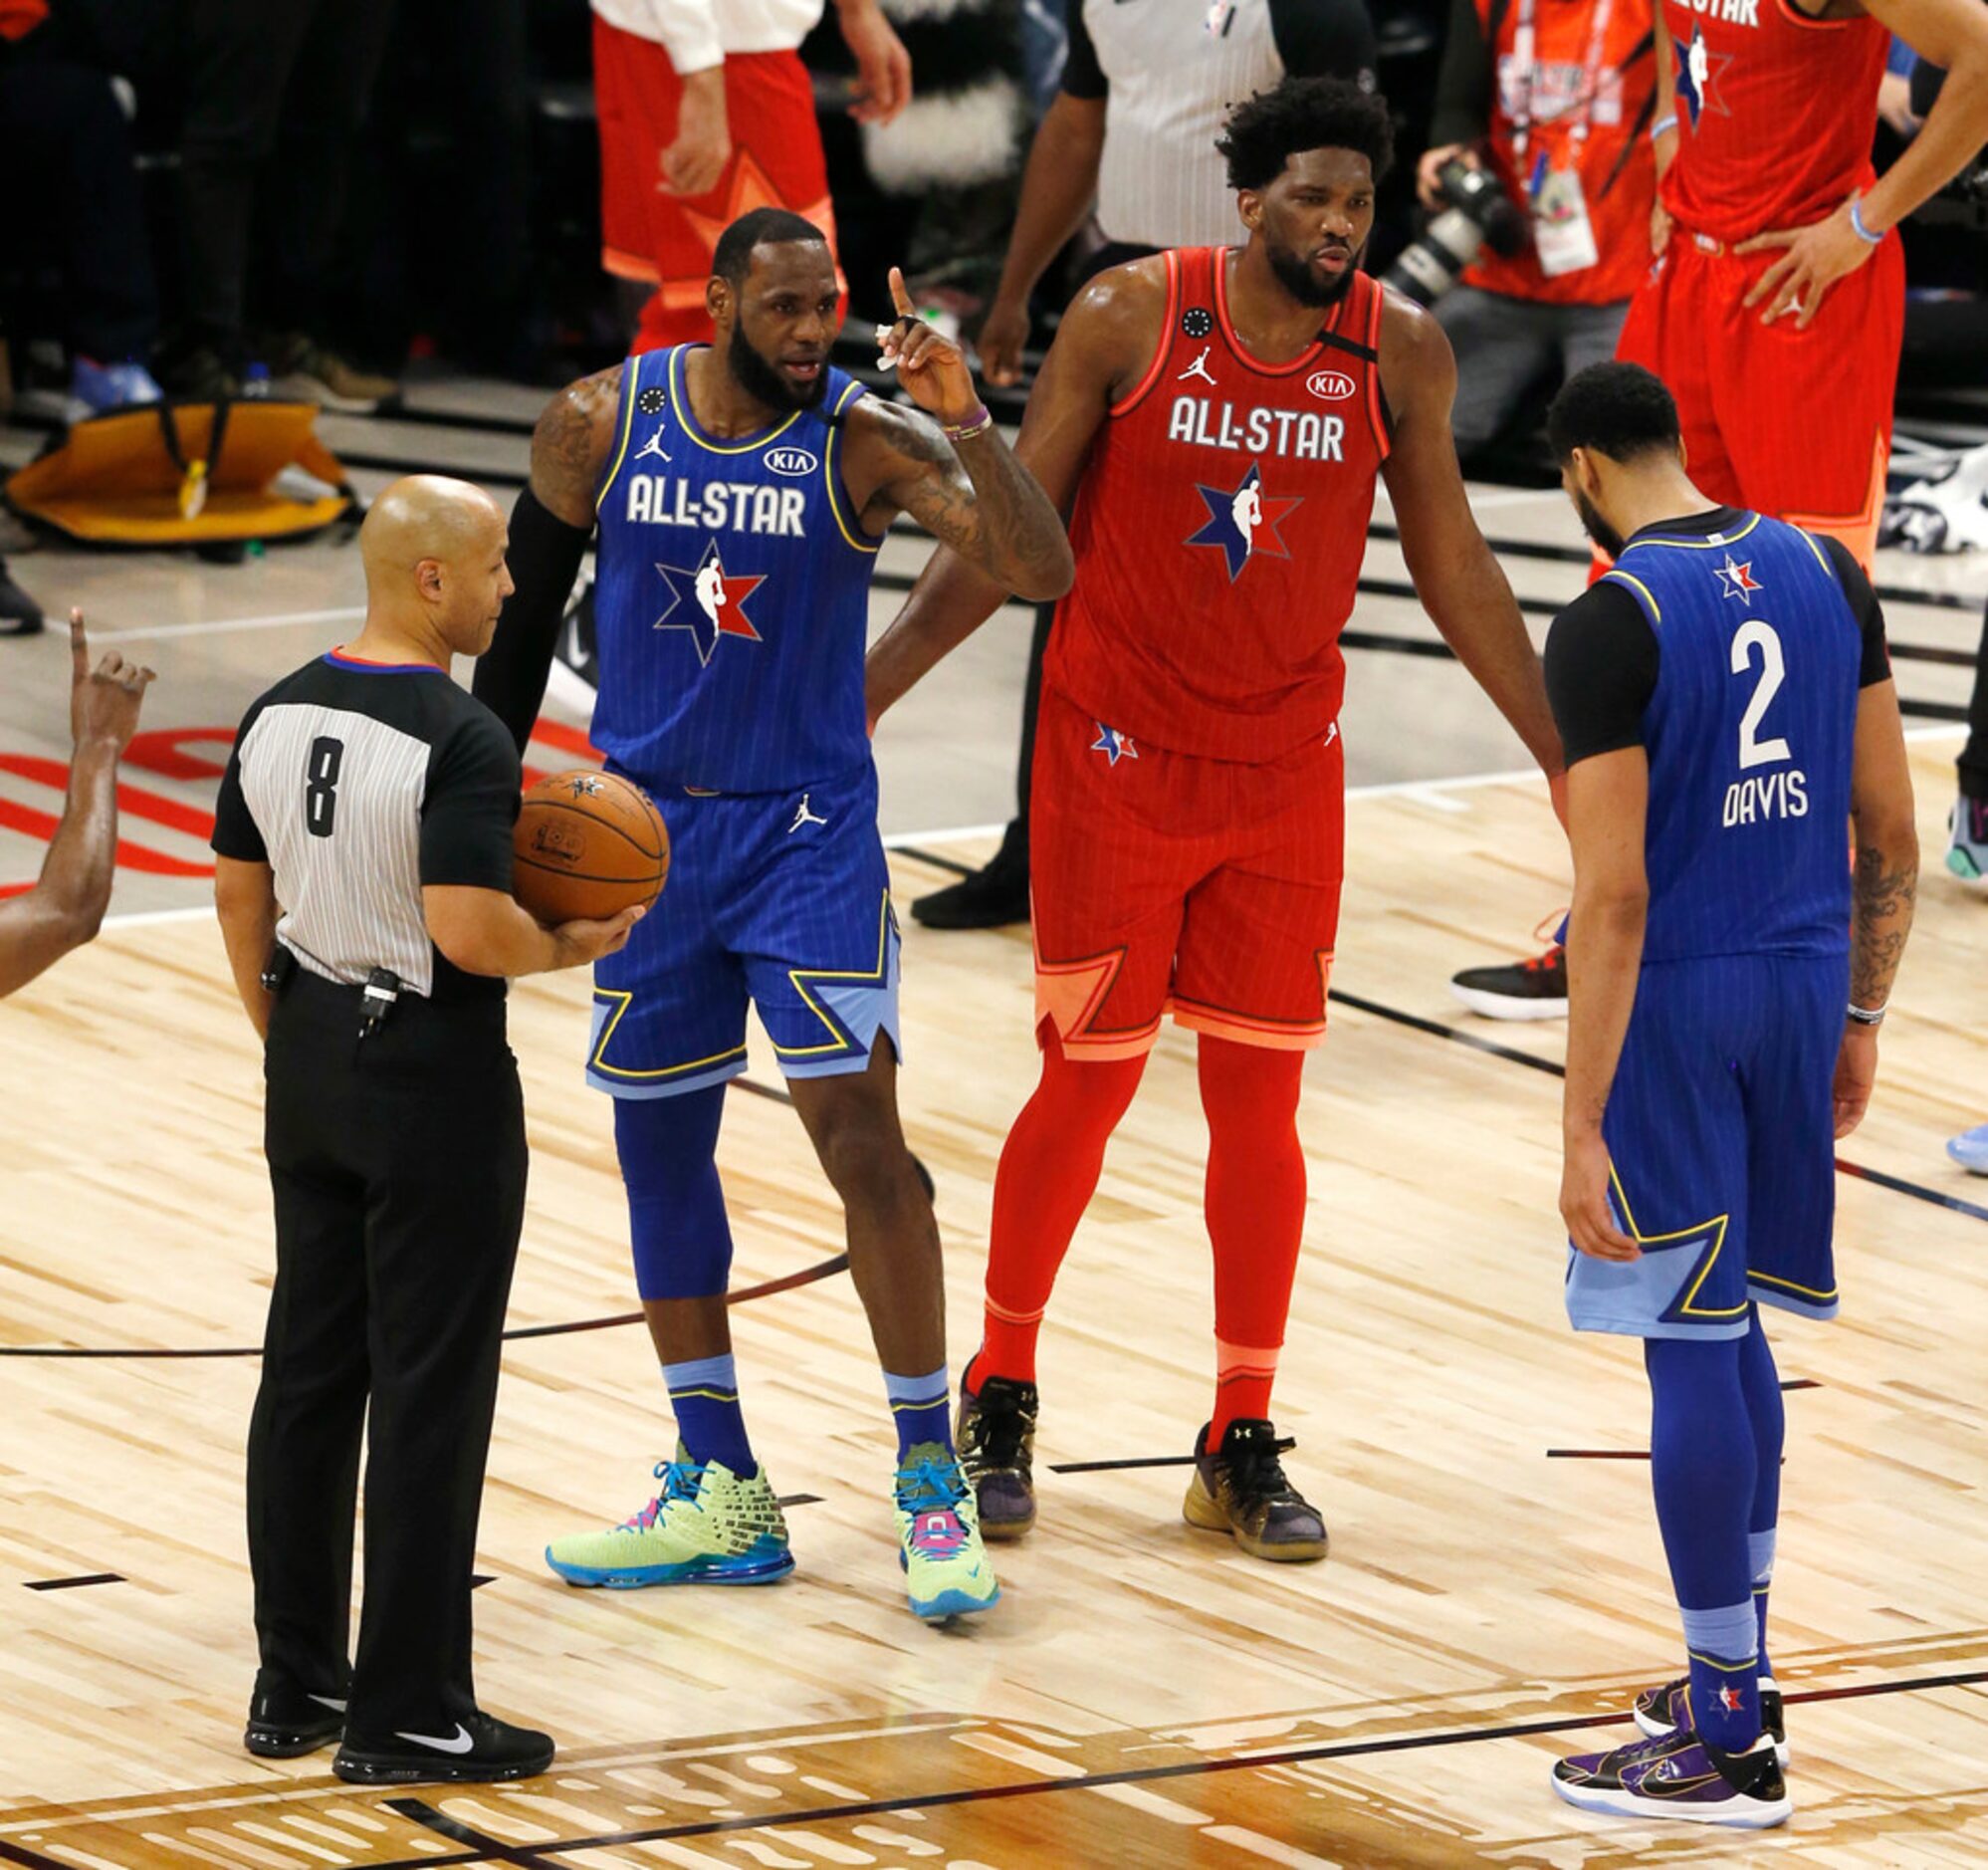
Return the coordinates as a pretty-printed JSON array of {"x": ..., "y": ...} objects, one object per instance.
[
  {"x": 946, "y": 1568},
  {"x": 707, "y": 1526}
]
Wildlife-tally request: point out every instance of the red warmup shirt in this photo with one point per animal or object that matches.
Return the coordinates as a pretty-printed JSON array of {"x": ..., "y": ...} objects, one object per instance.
[
  {"x": 1775, "y": 114},
  {"x": 1219, "y": 530}
]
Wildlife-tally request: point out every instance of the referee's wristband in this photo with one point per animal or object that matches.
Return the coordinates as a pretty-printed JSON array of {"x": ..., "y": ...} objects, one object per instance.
[
  {"x": 1864, "y": 1016},
  {"x": 1661, "y": 124},
  {"x": 1857, "y": 224}
]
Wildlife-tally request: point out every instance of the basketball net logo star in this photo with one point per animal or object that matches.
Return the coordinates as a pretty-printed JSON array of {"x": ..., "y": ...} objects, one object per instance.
[
  {"x": 1113, "y": 745},
  {"x": 1736, "y": 581},
  {"x": 1242, "y": 523},
  {"x": 708, "y": 603},
  {"x": 1698, "y": 77}
]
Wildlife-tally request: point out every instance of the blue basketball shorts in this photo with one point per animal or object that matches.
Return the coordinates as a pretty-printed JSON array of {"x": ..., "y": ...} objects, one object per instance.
[
  {"x": 1719, "y": 1128},
  {"x": 780, "y": 899}
]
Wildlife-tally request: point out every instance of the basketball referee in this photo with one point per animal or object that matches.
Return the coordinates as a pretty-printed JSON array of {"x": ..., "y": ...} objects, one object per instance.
[{"x": 363, "y": 845}]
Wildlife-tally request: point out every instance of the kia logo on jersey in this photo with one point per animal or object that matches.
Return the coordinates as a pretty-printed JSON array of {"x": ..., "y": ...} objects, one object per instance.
[
  {"x": 1331, "y": 385},
  {"x": 791, "y": 462}
]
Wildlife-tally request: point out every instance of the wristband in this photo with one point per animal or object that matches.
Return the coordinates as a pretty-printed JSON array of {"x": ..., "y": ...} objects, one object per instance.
[
  {"x": 1661, "y": 124},
  {"x": 1865, "y": 1016},
  {"x": 976, "y": 425},
  {"x": 1857, "y": 224}
]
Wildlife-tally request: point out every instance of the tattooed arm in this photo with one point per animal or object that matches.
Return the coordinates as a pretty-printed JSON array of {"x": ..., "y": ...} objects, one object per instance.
[
  {"x": 549, "y": 528},
  {"x": 1886, "y": 883},
  {"x": 1103, "y": 346}
]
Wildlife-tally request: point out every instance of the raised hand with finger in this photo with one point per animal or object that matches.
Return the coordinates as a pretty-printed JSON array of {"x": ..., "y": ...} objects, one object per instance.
[
  {"x": 104, "y": 701},
  {"x": 932, "y": 367}
]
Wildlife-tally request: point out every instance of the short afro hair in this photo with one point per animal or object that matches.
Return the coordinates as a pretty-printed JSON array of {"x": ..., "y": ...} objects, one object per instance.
[
  {"x": 732, "y": 257},
  {"x": 1618, "y": 410},
  {"x": 1263, "y": 133}
]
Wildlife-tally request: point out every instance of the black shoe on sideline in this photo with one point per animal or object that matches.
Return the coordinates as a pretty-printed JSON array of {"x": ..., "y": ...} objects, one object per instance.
[
  {"x": 286, "y": 1721},
  {"x": 481, "y": 1749},
  {"x": 1242, "y": 1489},
  {"x": 992, "y": 898},
  {"x": 997, "y": 1442}
]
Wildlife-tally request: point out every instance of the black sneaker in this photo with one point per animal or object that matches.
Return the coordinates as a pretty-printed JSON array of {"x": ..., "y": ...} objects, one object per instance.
[
  {"x": 286, "y": 1721},
  {"x": 304, "y": 370},
  {"x": 1534, "y": 989},
  {"x": 1241, "y": 1489},
  {"x": 995, "y": 1438},
  {"x": 20, "y": 614},
  {"x": 992, "y": 898},
  {"x": 481, "y": 1748}
]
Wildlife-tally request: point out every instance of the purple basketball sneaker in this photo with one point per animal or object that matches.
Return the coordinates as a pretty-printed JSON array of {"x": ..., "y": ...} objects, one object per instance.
[{"x": 1679, "y": 1777}]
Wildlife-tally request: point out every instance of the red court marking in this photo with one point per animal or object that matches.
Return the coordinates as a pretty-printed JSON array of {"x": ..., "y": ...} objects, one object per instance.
[{"x": 160, "y": 750}]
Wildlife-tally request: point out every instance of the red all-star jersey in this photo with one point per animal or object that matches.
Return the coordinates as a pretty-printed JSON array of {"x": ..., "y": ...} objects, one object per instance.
[
  {"x": 1775, "y": 114},
  {"x": 1219, "y": 530}
]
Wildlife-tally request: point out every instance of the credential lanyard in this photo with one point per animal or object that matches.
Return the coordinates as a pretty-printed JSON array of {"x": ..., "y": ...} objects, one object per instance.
[{"x": 1524, "y": 52}]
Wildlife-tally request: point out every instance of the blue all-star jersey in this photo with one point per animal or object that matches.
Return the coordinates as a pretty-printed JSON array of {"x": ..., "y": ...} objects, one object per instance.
[
  {"x": 1749, "y": 725},
  {"x": 731, "y": 601}
]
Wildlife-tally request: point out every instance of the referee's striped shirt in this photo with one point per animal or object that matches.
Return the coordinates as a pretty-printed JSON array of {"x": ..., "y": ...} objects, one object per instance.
[{"x": 360, "y": 783}]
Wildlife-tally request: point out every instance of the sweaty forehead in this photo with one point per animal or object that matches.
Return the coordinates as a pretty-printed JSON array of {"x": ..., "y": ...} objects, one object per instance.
[
  {"x": 1341, "y": 170},
  {"x": 796, "y": 266}
]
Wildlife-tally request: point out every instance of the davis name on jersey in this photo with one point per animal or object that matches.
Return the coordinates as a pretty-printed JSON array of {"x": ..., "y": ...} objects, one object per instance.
[
  {"x": 1298, "y": 434},
  {"x": 717, "y": 505}
]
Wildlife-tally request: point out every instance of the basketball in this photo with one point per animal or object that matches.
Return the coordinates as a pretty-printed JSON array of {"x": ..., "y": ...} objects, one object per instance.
[{"x": 587, "y": 846}]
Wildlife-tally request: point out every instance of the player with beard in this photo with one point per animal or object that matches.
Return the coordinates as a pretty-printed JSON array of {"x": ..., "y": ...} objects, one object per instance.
[
  {"x": 1215, "y": 419},
  {"x": 741, "y": 490}
]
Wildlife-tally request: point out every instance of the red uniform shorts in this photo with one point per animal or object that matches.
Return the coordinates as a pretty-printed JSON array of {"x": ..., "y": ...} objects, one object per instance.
[
  {"x": 646, "y": 234},
  {"x": 1793, "y": 424},
  {"x": 1168, "y": 881}
]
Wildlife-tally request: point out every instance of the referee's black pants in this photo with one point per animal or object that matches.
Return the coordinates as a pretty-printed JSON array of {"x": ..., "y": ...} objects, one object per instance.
[{"x": 399, "y": 1167}]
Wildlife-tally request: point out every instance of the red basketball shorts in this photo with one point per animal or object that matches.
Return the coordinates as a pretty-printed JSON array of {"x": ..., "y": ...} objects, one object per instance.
[
  {"x": 647, "y": 234},
  {"x": 1794, "y": 424},
  {"x": 1164, "y": 881}
]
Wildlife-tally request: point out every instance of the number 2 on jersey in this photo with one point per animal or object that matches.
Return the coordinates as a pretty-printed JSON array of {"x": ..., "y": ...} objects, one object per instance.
[
  {"x": 320, "y": 784},
  {"x": 1773, "y": 671}
]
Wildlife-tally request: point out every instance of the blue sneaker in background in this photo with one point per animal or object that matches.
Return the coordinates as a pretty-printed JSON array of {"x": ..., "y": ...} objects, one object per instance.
[
  {"x": 1970, "y": 1149},
  {"x": 98, "y": 388}
]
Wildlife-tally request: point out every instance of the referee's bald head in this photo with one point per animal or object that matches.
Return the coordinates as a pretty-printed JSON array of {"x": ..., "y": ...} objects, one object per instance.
[{"x": 434, "y": 550}]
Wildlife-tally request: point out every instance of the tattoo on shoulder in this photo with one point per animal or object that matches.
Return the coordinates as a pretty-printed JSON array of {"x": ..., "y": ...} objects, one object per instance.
[{"x": 570, "y": 442}]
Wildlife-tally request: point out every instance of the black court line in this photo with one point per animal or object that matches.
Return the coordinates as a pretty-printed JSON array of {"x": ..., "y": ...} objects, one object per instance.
[
  {"x": 443, "y": 418},
  {"x": 70, "y": 1584},
  {"x": 1145, "y": 1776},
  {"x": 1437, "y": 1028},
  {"x": 771, "y": 1092},
  {"x": 478, "y": 1579},
  {"x": 425, "y": 1815},
  {"x": 934, "y": 858},
  {"x": 799, "y": 1500},
  {"x": 400, "y": 464},
  {"x": 807, "y": 1275},
  {"x": 28, "y": 1859},
  {"x": 1112, "y": 1467},
  {"x": 1800, "y": 1382}
]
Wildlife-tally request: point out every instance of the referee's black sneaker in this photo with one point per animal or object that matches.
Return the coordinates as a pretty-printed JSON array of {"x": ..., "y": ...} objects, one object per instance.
[
  {"x": 286, "y": 1721},
  {"x": 479, "y": 1749}
]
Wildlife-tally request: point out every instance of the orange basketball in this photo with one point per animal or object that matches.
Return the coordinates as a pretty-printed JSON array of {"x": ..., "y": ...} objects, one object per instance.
[{"x": 587, "y": 846}]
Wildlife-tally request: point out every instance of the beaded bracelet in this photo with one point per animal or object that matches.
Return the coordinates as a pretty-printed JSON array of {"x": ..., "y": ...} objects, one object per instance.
[{"x": 976, "y": 425}]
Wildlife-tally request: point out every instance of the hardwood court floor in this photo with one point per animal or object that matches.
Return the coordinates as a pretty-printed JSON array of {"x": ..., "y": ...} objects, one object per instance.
[{"x": 1144, "y": 1695}]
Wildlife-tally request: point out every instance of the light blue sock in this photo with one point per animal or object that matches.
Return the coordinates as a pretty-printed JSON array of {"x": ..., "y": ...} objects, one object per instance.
[
  {"x": 922, "y": 1407},
  {"x": 1726, "y": 1702},
  {"x": 705, "y": 1395},
  {"x": 1760, "y": 1561}
]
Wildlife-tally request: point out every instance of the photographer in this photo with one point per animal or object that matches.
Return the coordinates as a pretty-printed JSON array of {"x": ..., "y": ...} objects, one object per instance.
[{"x": 1553, "y": 98}]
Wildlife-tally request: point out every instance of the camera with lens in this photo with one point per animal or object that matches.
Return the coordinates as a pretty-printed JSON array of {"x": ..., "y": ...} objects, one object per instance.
[{"x": 1476, "y": 213}]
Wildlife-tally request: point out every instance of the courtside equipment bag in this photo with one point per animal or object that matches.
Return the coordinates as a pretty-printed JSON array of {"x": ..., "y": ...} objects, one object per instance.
[{"x": 187, "y": 474}]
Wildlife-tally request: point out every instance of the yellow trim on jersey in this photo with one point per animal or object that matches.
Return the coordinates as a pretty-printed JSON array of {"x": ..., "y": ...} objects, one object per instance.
[
  {"x": 878, "y": 974},
  {"x": 1718, "y": 1223},
  {"x": 1789, "y": 1285},
  {"x": 625, "y": 997},
  {"x": 631, "y": 388},
  {"x": 687, "y": 416},
  {"x": 1822, "y": 557},
  {"x": 1718, "y": 544},
  {"x": 1649, "y": 596},
  {"x": 853, "y": 524}
]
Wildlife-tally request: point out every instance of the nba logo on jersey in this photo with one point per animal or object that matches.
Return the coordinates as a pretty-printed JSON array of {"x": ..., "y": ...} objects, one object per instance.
[
  {"x": 707, "y": 603},
  {"x": 1241, "y": 521}
]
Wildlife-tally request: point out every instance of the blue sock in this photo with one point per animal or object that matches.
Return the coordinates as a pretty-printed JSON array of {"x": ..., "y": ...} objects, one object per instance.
[
  {"x": 677, "y": 1228},
  {"x": 922, "y": 1407},
  {"x": 1702, "y": 1468},
  {"x": 705, "y": 1397},
  {"x": 1761, "y": 1383}
]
